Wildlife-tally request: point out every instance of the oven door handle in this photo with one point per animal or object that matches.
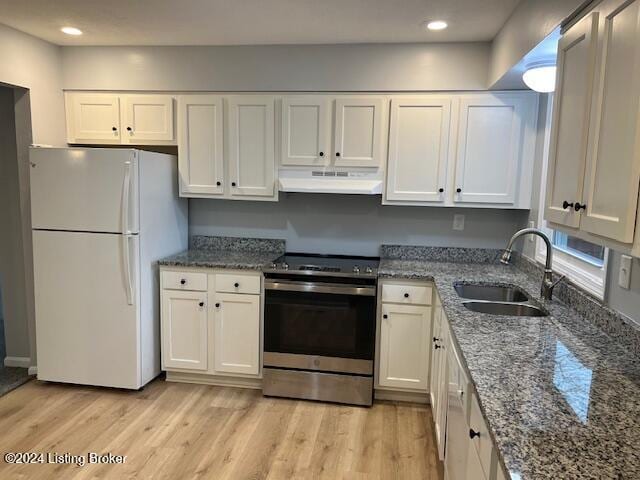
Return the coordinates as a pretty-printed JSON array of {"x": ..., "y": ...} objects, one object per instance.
[{"x": 333, "y": 288}]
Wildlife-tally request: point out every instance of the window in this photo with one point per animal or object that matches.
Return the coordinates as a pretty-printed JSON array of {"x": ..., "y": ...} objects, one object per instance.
[{"x": 584, "y": 263}]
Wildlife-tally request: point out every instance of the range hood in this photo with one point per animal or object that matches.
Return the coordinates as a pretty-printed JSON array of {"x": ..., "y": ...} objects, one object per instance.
[{"x": 329, "y": 181}]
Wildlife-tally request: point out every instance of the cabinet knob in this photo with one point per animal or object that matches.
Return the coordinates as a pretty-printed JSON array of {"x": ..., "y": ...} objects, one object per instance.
[
  {"x": 458, "y": 190},
  {"x": 233, "y": 184},
  {"x": 579, "y": 206},
  {"x": 385, "y": 316},
  {"x": 217, "y": 305},
  {"x": 218, "y": 184},
  {"x": 183, "y": 282},
  {"x": 337, "y": 154},
  {"x": 435, "y": 339},
  {"x": 566, "y": 204},
  {"x": 321, "y": 154},
  {"x": 473, "y": 433},
  {"x": 114, "y": 129},
  {"x": 236, "y": 284},
  {"x": 201, "y": 304},
  {"x": 441, "y": 190},
  {"x": 129, "y": 129},
  {"x": 437, "y": 346},
  {"x": 406, "y": 295}
]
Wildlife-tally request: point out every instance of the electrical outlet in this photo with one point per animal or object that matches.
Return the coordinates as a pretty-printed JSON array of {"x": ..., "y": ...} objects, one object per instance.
[
  {"x": 624, "y": 276},
  {"x": 458, "y": 222}
]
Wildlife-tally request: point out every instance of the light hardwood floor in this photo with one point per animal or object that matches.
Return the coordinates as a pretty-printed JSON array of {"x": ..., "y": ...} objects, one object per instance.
[{"x": 179, "y": 431}]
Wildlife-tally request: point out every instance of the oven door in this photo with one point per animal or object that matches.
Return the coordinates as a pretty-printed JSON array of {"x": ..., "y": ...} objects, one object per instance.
[{"x": 319, "y": 326}]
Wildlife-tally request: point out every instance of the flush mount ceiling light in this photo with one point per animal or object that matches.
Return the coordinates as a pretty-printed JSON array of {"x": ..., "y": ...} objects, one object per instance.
[
  {"x": 71, "y": 31},
  {"x": 435, "y": 25},
  {"x": 540, "y": 76}
]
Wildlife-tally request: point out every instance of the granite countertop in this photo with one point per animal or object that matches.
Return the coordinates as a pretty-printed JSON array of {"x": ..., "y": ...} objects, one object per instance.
[
  {"x": 561, "y": 397},
  {"x": 239, "y": 260}
]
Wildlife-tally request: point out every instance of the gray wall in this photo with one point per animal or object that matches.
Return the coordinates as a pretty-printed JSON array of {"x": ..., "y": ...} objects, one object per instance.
[
  {"x": 620, "y": 299},
  {"x": 350, "y": 224},
  {"x": 379, "y": 67}
]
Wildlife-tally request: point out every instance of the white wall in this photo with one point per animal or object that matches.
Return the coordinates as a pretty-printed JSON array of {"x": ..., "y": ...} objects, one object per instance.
[
  {"x": 350, "y": 224},
  {"x": 459, "y": 66},
  {"x": 29, "y": 62}
]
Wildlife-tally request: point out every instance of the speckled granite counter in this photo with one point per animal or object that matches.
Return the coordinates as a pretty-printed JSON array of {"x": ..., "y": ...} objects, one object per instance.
[
  {"x": 561, "y": 398},
  {"x": 227, "y": 252}
]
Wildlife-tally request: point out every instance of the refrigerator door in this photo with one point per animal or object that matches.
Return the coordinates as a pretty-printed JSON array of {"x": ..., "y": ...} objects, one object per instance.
[
  {"x": 88, "y": 190},
  {"x": 87, "y": 308}
]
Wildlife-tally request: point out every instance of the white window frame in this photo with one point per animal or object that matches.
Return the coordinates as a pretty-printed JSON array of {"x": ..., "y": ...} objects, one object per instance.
[{"x": 591, "y": 278}]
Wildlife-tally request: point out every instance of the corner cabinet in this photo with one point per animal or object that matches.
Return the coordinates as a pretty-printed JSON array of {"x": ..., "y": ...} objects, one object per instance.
[
  {"x": 120, "y": 119},
  {"x": 467, "y": 150},
  {"x": 594, "y": 165},
  {"x": 226, "y": 147},
  {"x": 211, "y": 326}
]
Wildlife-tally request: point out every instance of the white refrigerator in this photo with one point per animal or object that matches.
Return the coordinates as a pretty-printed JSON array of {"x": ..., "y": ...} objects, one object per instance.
[{"x": 101, "y": 219}]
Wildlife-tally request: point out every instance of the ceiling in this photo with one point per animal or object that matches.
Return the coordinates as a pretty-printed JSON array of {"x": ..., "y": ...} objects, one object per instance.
[{"x": 255, "y": 22}]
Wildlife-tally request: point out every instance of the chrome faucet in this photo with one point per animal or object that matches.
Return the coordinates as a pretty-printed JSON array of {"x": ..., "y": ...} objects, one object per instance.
[{"x": 547, "y": 281}]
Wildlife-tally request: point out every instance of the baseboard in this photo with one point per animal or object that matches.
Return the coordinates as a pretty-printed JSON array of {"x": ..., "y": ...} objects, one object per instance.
[
  {"x": 218, "y": 380},
  {"x": 400, "y": 396},
  {"x": 33, "y": 370},
  {"x": 20, "y": 362}
]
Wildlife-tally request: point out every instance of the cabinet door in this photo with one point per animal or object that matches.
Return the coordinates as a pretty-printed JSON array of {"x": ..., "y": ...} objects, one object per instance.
[
  {"x": 93, "y": 118},
  {"x": 613, "y": 169},
  {"x": 200, "y": 145},
  {"x": 570, "y": 125},
  {"x": 358, "y": 132},
  {"x": 418, "y": 148},
  {"x": 443, "y": 387},
  {"x": 436, "y": 355},
  {"x": 184, "y": 330},
  {"x": 306, "y": 130},
  {"x": 251, "y": 146},
  {"x": 237, "y": 333},
  {"x": 147, "y": 119},
  {"x": 489, "y": 145},
  {"x": 404, "y": 346}
]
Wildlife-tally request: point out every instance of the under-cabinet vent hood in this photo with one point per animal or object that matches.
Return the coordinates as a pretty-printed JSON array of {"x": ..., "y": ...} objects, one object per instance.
[{"x": 330, "y": 181}]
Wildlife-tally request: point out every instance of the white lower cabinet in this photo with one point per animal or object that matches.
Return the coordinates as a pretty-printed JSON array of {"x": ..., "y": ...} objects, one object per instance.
[
  {"x": 184, "y": 329},
  {"x": 208, "y": 331},
  {"x": 404, "y": 350}
]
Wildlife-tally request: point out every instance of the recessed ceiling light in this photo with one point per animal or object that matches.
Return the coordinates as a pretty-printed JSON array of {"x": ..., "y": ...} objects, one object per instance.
[
  {"x": 71, "y": 31},
  {"x": 436, "y": 25}
]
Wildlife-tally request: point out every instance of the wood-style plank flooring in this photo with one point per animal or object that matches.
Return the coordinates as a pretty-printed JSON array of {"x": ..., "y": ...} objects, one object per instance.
[{"x": 179, "y": 431}]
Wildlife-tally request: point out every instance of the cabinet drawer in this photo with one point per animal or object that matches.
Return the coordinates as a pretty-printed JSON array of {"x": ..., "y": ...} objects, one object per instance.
[
  {"x": 184, "y": 281},
  {"x": 411, "y": 294},
  {"x": 234, "y": 283},
  {"x": 482, "y": 442}
]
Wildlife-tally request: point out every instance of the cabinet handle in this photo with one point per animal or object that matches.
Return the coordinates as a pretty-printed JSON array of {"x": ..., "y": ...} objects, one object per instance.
[
  {"x": 473, "y": 433},
  {"x": 217, "y": 305},
  {"x": 201, "y": 304},
  {"x": 233, "y": 184},
  {"x": 236, "y": 284},
  {"x": 406, "y": 295},
  {"x": 458, "y": 190},
  {"x": 114, "y": 129},
  {"x": 337, "y": 154},
  {"x": 385, "y": 316},
  {"x": 218, "y": 184},
  {"x": 566, "y": 205},
  {"x": 321, "y": 154},
  {"x": 183, "y": 282},
  {"x": 580, "y": 206},
  {"x": 441, "y": 190},
  {"x": 437, "y": 346},
  {"x": 436, "y": 339},
  {"x": 129, "y": 129}
]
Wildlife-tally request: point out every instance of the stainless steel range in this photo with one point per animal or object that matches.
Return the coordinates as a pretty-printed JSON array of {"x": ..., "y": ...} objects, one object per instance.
[{"x": 319, "y": 328}]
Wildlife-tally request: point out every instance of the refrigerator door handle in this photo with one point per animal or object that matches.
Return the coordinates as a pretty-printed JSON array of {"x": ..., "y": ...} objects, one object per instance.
[
  {"x": 126, "y": 189},
  {"x": 127, "y": 268}
]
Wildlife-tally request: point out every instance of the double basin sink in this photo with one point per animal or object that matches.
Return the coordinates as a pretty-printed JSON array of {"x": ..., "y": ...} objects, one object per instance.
[{"x": 497, "y": 300}]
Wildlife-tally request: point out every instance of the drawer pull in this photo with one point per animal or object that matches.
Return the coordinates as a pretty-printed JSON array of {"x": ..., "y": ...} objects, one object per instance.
[
  {"x": 217, "y": 305},
  {"x": 385, "y": 316},
  {"x": 183, "y": 281},
  {"x": 406, "y": 295},
  {"x": 201, "y": 304},
  {"x": 237, "y": 285},
  {"x": 473, "y": 434}
]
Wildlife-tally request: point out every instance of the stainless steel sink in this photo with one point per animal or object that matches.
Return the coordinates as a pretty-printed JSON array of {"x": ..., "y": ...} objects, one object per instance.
[
  {"x": 503, "y": 308},
  {"x": 491, "y": 293}
]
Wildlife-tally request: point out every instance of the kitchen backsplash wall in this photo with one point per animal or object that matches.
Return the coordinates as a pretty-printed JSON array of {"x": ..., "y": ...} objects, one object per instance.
[{"x": 351, "y": 224}]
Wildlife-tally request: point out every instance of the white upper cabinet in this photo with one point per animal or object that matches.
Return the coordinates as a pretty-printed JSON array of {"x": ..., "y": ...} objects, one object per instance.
[
  {"x": 306, "y": 130},
  {"x": 200, "y": 145},
  {"x": 251, "y": 160},
  {"x": 570, "y": 126},
  {"x": 358, "y": 131},
  {"x": 93, "y": 118},
  {"x": 418, "y": 148},
  {"x": 147, "y": 118},
  {"x": 612, "y": 176},
  {"x": 491, "y": 147},
  {"x": 111, "y": 118}
]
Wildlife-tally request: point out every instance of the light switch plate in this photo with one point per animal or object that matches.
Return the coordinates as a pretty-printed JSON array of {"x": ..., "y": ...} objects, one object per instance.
[
  {"x": 624, "y": 277},
  {"x": 458, "y": 222}
]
